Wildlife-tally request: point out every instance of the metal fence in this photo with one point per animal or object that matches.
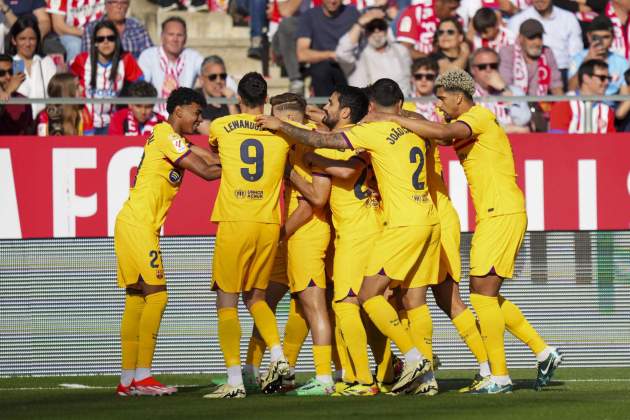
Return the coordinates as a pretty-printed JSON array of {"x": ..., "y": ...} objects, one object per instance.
[{"x": 60, "y": 308}]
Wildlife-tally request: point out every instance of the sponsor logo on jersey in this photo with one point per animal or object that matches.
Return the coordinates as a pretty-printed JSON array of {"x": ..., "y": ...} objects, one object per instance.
[{"x": 174, "y": 176}]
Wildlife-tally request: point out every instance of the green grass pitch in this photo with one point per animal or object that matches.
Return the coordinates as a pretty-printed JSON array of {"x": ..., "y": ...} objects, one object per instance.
[{"x": 589, "y": 393}]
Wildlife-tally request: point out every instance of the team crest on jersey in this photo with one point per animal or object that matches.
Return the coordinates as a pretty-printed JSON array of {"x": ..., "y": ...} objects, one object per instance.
[
  {"x": 174, "y": 176},
  {"x": 178, "y": 143},
  {"x": 159, "y": 273}
]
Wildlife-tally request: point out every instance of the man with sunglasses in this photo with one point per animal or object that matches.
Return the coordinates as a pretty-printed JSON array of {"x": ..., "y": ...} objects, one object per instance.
[
  {"x": 215, "y": 83},
  {"x": 581, "y": 116},
  {"x": 14, "y": 119},
  {"x": 529, "y": 64},
  {"x": 362, "y": 51},
  {"x": 484, "y": 67},
  {"x": 600, "y": 37}
]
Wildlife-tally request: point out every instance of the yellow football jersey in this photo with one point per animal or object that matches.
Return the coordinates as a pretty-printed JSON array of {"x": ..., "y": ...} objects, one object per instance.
[
  {"x": 318, "y": 225},
  {"x": 399, "y": 160},
  {"x": 489, "y": 165},
  {"x": 157, "y": 180},
  {"x": 252, "y": 162},
  {"x": 437, "y": 187},
  {"x": 352, "y": 205}
]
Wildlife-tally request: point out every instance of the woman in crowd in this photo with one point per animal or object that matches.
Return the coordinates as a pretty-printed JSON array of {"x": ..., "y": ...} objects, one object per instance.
[
  {"x": 67, "y": 120},
  {"x": 25, "y": 47},
  {"x": 450, "y": 49},
  {"x": 104, "y": 71}
]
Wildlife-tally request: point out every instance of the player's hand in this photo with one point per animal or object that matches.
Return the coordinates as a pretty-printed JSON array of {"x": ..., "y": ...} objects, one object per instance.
[
  {"x": 170, "y": 84},
  {"x": 268, "y": 122},
  {"x": 15, "y": 82},
  {"x": 370, "y": 15},
  {"x": 496, "y": 81},
  {"x": 315, "y": 114},
  {"x": 307, "y": 158}
]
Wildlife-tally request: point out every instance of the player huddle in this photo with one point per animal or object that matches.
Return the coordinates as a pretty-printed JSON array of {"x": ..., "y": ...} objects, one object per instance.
[{"x": 368, "y": 229}]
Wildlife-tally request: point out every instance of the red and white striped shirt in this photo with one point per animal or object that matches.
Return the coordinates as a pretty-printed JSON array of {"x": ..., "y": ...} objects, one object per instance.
[
  {"x": 504, "y": 38},
  {"x": 621, "y": 34},
  {"x": 417, "y": 25},
  {"x": 579, "y": 117},
  {"x": 125, "y": 123},
  {"x": 78, "y": 13},
  {"x": 128, "y": 71}
]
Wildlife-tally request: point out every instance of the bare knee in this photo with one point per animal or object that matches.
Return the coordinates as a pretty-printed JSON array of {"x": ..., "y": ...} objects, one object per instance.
[{"x": 251, "y": 297}]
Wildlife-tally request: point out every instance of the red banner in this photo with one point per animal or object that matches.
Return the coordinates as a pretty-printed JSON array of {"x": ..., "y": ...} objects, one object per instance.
[{"x": 74, "y": 186}]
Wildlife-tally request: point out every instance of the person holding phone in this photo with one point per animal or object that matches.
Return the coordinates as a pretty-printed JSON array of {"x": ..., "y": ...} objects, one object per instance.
[
  {"x": 14, "y": 119},
  {"x": 600, "y": 36},
  {"x": 25, "y": 47}
]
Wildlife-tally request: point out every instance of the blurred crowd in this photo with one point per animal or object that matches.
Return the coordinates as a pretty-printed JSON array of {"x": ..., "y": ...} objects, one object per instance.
[{"x": 95, "y": 49}]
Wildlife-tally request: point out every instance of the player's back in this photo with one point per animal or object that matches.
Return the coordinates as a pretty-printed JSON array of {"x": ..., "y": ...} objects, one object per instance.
[
  {"x": 157, "y": 179},
  {"x": 354, "y": 209},
  {"x": 399, "y": 160},
  {"x": 252, "y": 162},
  {"x": 489, "y": 165}
]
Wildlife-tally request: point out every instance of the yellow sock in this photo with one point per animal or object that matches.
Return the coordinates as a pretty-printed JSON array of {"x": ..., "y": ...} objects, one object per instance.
[
  {"x": 295, "y": 332},
  {"x": 154, "y": 305},
  {"x": 265, "y": 321},
  {"x": 341, "y": 358},
  {"x": 404, "y": 318},
  {"x": 230, "y": 336},
  {"x": 386, "y": 320},
  {"x": 255, "y": 351},
  {"x": 518, "y": 325},
  {"x": 322, "y": 356},
  {"x": 466, "y": 326},
  {"x": 355, "y": 337},
  {"x": 492, "y": 327},
  {"x": 421, "y": 330},
  {"x": 381, "y": 350},
  {"x": 129, "y": 330}
]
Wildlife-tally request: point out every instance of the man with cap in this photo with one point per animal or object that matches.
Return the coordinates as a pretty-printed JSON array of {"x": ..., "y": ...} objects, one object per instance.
[
  {"x": 530, "y": 65},
  {"x": 562, "y": 32}
]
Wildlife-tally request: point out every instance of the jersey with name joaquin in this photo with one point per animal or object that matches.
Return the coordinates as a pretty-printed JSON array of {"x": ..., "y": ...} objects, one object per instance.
[
  {"x": 399, "y": 160},
  {"x": 157, "y": 180},
  {"x": 252, "y": 168},
  {"x": 353, "y": 208},
  {"x": 489, "y": 165}
]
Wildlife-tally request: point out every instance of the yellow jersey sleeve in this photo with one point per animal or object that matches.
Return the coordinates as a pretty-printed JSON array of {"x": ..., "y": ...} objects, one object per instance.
[
  {"x": 359, "y": 137},
  {"x": 172, "y": 145},
  {"x": 476, "y": 120}
]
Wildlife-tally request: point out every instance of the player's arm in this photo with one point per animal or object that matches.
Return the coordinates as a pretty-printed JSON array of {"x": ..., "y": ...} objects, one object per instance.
[
  {"x": 443, "y": 134},
  {"x": 311, "y": 138},
  {"x": 300, "y": 216},
  {"x": 316, "y": 192},
  {"x": 343, "y": 169},
  {"x": 199, "y": 166},
  {"x": 413, "y": 115},
  {"x": 208, "y": 156}
]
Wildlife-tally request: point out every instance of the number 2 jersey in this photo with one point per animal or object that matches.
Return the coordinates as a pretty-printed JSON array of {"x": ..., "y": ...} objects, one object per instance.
[
  {"x": 157, "y": 180},
  {"x": 399, "y": 160},
  {"x": 252, "y": 168}
]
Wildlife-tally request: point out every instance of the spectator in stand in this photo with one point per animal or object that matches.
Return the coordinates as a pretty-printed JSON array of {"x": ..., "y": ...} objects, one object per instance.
[
  {"x": 69, "y": 18},
  {"x": 25, "y": 46},
  {"x": 484, "y": 66},
  {"x": 418, "y": 23},
  {"x": 622, "y": 113},
  {"x": 581, "y": 116},
  {"x": 362, "y": 60},
  {"x": 13, "y": 9},
  {"x": 488, "y": 31},
  {"x": 529, "y": 64},
  {"x": 562, "y": 31},
  {"x": 14, "y": 119},
  {"x": 137, "y": 119},
  {"x": 257, "y": 12},
  {"x": 600, "y": 38},
  {"x": 318, "y": 34},
  {"x": 104, "y": 71},
  {"x": 424, "y": 70},
  {"x": 216, "y": 83},
  {"x": 450, "y": 49},
  {"x": 64, "y": 120},
  {"x": 189, "y": 5},
  {"x": 135, "y": 37},
  {"x": 618, "y": 12},
  {"x": 286, "y": 14},
  {"x": 170, "y": 65}
]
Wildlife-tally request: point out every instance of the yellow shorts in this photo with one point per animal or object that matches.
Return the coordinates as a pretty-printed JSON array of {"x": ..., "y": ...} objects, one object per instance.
[
  {"x": 306, "y": 261},
  {"x": 138, "y": 255},
  {"x": 495, "y": 245},
  {"x": 244, "y": 254},
  {"x": 351, "y": 257},
  {"x": 409, "y": 255},
  {"x": 279, "y": 270},
  {"x": 450, "y": 254}
]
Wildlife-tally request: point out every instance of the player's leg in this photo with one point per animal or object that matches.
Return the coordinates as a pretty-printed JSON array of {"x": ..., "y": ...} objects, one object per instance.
[{"x": 295, "y": 333}]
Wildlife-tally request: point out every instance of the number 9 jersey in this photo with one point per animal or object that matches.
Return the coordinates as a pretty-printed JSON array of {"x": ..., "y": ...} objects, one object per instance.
[{"x": 252, "y": 162}]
